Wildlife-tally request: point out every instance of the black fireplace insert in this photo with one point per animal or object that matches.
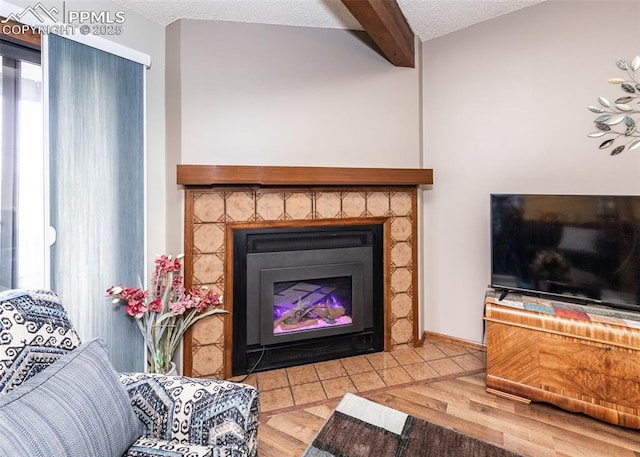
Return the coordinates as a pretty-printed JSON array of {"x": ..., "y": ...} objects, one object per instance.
[{"x": 306, "y": 294}]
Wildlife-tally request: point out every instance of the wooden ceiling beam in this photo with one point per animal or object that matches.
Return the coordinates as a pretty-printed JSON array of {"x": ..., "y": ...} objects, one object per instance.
[{"x": 388, "y": 28}]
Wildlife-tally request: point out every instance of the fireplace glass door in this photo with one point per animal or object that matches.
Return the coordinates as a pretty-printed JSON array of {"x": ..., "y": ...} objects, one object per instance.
[
  {"x": 305, "y": 302},
  {"x": 304, "y": 306}
]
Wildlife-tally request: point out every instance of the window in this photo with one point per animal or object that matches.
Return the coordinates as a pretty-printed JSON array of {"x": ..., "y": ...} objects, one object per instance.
[{"x": 22, "y": 170}]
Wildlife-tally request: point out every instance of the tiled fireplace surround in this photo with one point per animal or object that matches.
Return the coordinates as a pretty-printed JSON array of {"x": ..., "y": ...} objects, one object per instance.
[{"x": 219, "y": 199}]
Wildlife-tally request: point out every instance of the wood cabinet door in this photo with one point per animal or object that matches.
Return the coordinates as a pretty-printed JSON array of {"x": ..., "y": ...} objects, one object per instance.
[{"x": 593, "y": 372}]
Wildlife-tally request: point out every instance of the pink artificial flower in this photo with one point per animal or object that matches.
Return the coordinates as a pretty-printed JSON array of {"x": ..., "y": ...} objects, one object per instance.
[
  {"x": 177, "y": 308},
  {"x": 156, "y": 306},
  {"x": 134, "y": 298},
  {"x": 209, "y": 299},
  {"x": 204, "y": 303},
  {"x": 113, "y": 290},
  {"x": 192, "y": 302},
  {"x": 165, "y": 264},
  {"x": 124, "y": 293},
  {"x": 135, "y": 308},
  {"x": 178, "y": 291},
  {"x": 162, "y": 262},
  {"x": 139, "y": 294}
]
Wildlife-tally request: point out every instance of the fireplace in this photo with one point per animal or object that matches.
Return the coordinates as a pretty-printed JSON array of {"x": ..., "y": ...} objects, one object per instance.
[
  {"x": 306, "y": 294},
  {"x": 220, "y": 199}
]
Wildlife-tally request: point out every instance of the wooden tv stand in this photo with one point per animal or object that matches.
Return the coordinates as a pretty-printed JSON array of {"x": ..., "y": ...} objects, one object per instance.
[{"x": 580, "y": 358}]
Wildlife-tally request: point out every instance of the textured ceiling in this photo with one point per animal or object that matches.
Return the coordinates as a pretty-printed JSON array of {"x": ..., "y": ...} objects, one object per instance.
[{"x": 428, "y": 18}]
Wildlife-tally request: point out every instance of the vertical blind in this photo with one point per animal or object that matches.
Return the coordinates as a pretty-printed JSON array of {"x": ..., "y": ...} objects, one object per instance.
[{"x": 97, "y": 182}]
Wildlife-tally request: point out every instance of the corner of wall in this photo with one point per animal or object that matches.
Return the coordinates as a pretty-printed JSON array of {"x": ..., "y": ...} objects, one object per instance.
[{"x": 173, "y": 136}]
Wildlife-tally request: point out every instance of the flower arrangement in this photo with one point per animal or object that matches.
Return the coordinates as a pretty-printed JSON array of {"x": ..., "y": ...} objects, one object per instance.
[{"x": 166, "y": 312}]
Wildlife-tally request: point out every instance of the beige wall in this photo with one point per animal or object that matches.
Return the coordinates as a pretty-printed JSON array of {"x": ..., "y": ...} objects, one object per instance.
[
  {"x": 173, "y": 136},
  {"x": 505, "y": 110},
  {"x": 256, "y": 94}
]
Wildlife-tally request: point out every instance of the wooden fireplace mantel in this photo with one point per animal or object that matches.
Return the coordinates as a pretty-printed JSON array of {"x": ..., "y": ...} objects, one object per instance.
[{"x": 208, "y": 175}]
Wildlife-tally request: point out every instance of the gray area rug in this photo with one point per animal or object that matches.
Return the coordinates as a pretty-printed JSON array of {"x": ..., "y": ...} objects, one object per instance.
[{"x": 362, "y": 428}]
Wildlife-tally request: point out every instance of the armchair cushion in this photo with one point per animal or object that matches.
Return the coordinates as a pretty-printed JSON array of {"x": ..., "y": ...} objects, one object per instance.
[
  {"x": 34, "y": 332},
  {"x": 75, "y": 407},
  {"x": 196, "y": 411}
]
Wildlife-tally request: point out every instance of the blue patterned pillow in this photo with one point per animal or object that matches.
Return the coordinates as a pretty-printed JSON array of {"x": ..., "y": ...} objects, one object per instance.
[
  {"x": 74, "y": 408},
  {"x": 34, "y": 332}
]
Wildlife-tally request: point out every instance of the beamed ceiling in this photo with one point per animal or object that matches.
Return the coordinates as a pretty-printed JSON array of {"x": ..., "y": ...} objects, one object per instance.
[{"x": 392, "y": 24}]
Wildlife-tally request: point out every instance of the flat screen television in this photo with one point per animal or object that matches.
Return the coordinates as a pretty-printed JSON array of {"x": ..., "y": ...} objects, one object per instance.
[{"x": 585, "y": 248}]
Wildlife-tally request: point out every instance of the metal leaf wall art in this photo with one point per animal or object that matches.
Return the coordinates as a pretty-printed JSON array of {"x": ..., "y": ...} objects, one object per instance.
[{"x": 617, "y": 120}]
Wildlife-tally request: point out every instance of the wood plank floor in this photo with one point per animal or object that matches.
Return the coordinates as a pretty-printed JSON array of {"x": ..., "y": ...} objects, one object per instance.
[{"x": 461, "y": 402}]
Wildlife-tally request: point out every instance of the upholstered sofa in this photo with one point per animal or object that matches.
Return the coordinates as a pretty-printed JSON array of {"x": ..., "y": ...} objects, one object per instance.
[{"x": 59, "y": 397}]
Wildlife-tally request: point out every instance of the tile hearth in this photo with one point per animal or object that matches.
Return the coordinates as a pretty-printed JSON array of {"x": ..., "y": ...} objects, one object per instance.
[{"x": 295, "y": 386}]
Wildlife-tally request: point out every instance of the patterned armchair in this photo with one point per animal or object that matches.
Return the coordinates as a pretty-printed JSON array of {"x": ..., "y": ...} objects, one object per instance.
[{"x": 60, "y": 397}]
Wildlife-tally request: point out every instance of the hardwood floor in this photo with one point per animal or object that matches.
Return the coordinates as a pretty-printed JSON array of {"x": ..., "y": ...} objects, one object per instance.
[{"x": 461, "y": 402}]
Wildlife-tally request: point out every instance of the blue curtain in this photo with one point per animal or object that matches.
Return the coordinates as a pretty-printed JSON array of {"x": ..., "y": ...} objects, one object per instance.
[{"x": 96, "y": 146}]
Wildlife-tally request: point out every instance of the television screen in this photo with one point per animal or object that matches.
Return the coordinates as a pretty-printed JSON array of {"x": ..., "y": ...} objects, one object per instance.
[{"x": 577, "y": 246}]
